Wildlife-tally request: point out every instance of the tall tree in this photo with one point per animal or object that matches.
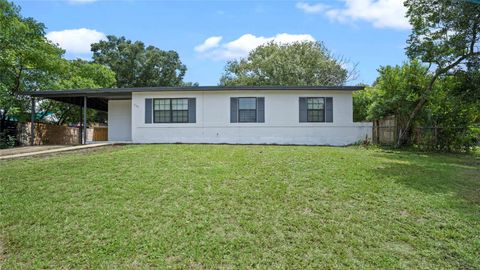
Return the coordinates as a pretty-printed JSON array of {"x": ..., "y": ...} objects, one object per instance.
[
  {"x": 76, "y": 74},
  {"x": 300, "y": 63},
  {"x": 397, "y": 90},
  {"x": 448, "y": 119},
  {"x": 138, "y": 66},
  {"x": 445, "y": 35},
  {"x": 28, "y": 61}
]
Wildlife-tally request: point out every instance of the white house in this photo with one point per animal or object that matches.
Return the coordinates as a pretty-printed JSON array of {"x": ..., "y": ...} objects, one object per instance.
[{"x": 313, "y": 115}]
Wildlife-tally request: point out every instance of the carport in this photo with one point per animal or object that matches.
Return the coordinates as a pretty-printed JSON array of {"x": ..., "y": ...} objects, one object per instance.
[{"x": 87, "y": 99}]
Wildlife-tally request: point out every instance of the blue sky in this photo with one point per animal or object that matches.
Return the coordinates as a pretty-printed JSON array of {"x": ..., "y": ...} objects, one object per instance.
[{"x": 208, "y": 33}]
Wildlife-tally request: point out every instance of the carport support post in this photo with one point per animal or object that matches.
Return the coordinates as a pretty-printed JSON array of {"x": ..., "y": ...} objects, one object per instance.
[
  {"x": 80, "y": 121},
  {"x": 85, "y": 120},
  {"x": 32, "y": 123}
]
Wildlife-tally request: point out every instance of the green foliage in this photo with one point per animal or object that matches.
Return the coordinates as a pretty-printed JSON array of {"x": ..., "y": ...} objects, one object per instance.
[
  {"x": 443, "y": 32},
  {"x": 301, "y": 63},
  {"x": 138, "y": 66},
  {"x": 447, "y": 121},
  {"x": 361, "y": 103},
  {"x": 77, "y": 74},
  {"x": 80, "y": 74},
  {"x": 467, "y": 90},
  {"x": 6, "y": 140},
  {"x": 27, "y": 60},
  {"x": 397, "y": 91},
  {"x": 451, "y": 116}
]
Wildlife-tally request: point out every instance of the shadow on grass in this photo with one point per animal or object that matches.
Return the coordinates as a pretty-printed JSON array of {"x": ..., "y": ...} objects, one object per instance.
[
  {"x": 446, "y": 220},
  {"x": 433, "y": 172}
]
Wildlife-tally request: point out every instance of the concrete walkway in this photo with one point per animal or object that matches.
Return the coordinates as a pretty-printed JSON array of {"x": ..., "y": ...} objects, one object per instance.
[{"x": 41, "y": 150}]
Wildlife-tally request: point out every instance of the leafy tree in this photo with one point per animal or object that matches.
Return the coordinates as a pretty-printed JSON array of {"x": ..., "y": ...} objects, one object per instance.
[
  {"x": 446, "y": 121},
  {"x": 77, "y": 74},
  {"x": 300, "y": 63},
  {"x": 445, "y": 35},
  {"x": 468, "y": 90},
  {"x": 451, "y": 116},
  {"x": 397, "y": 91},
  {"x": 27, "y": 60},
  {"x": 361, "y": 102},
  {"x": 81, "y": 74},
  {"x": 138, "y": 66}
]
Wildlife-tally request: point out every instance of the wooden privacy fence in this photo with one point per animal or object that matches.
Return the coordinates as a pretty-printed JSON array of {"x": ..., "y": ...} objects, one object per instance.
[
  {"x": 100, "y": 134},
  {"x": 46, "y": 134},
  {"x": 385, "y": 131}
]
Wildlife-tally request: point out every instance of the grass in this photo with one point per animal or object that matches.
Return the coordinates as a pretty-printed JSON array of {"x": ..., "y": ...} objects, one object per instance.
[{"x": 234, "y": 207}]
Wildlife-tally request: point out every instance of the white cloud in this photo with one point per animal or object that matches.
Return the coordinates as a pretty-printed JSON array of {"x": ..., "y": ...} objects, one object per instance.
[
  {"x": 381, "y": 13},
  {"x": 243, "y": 45},
  {"x": 76, "y": 41},
  {"x": 307, "y": 8},
  {"x": 209, "y": 43}
]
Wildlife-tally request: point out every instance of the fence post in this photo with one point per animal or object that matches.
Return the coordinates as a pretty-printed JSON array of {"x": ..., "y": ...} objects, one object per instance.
[
  {"x": 32, "y": 123},
  {"x": 85, "y": 120}
]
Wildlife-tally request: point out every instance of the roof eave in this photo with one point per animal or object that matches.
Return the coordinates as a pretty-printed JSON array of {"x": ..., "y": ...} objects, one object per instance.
[{"x": 125, "y": 91}]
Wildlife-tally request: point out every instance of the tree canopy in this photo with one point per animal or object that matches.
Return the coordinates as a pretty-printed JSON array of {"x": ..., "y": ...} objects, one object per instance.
[
  {"x": 397, "y": 91},
  {"x": 77, "y": 74},
  {"x": 445, "y": 35},
  {"x": 28, "y": 61},
  {"x": 138, "y": 66},
  {"x": 300, "y": 63},
  {"x": 451, "y": 111}
]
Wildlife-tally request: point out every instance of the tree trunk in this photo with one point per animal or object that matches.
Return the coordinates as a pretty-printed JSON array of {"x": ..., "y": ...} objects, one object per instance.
[
  {"x": 45, "y": 112},
  {"x": 63, "y": 116},
  {"x": 406, "y": 130}
]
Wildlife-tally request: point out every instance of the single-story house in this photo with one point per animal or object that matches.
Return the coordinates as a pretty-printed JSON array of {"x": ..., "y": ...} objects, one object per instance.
[{"x": 305, "y": 115}]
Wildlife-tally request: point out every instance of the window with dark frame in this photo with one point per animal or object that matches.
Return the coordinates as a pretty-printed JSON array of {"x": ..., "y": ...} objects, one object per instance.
[
  {"x": 170, "y": 110},
  {"x": 247, "y": 110},
  {"x": 316, "y": 109}
]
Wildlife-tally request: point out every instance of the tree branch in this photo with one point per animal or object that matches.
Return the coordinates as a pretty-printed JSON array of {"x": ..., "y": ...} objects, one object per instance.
[
  {"x": 474, "y": 37},
  {"x": 423, "y": 98},
  {"x": 63, "y": 116},
  {"x": 17, "y": 82},
  {"x": 45, "y": 111}
]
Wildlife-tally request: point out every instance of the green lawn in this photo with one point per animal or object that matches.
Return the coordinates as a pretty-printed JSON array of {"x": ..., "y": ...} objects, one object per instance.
[{"x": 232, "y": 207}]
